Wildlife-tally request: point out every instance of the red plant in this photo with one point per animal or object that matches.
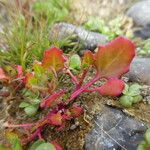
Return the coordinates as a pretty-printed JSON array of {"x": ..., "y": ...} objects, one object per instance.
[{"x": 110, "y": 62}]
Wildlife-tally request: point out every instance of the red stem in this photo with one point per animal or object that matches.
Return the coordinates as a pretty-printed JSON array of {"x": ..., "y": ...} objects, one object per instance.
[
  {"x": 4, "y": 94},
  {"x": 82, "y": 79},
  {"x": 40, "y": 136},
  {"x": 74, "y": 79},
  {"x": 90, "y": 90},
  {"x": 87, "y": 85},
  {"x": 32, "y": 136},
  {"x": 19, "y": 125},
  {"x": 47, "y": 102}
]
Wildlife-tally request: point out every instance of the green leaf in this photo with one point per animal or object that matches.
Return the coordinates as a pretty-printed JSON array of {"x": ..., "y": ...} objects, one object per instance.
[
  {"x": 36, "y": 101},
  {"x": 46, "y": 146},
  {"x": 31, "y": 80},
  {"x": 14, "y": 140},
  {"x": 23, "y": 105},
  {"x": 147, "y": 136},
  {"x": 143, "y": 146},
  {"x": 134, "y": 90},
  {"x": 38, "y": 70},
  {"x": 126, "y": 101},
  {"x": 75, "y": 62},
  {"x": 95, "y": 24},
  {"x": 29, "y": 94},
  {"x": 137, "y": 99},
  {"x": 31, "y": 110},
  {"x": 36, "y": 144}
]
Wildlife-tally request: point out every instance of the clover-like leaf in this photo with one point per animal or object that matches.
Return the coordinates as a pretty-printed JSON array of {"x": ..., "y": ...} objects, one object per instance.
[
  {"x": 126, "y": 101},
  {"x": 53, "y": 58},
  {"x": 88, "y": 59},
  {"x": 134, "y": 89},
  {"x": 113, "y": 87},
  {"x": 113, "y": 59},
  {"x": 137, "y": 99}
]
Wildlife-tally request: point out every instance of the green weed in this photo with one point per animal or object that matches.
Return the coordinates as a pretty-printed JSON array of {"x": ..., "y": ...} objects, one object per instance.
[{"x": 27, "y": 35}]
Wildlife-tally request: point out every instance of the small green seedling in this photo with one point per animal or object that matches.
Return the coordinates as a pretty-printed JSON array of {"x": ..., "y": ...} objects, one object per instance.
[
  {"x": 42, "y": 145},
  {"x": 75, "y": 62},
  {"x": 145, "y": 145},
  {"x": 31, "y": 107},
  {"x": 146, "y": 48},
  {"x": 131, "y": 95},
  {"x": 112, "y": 28}
]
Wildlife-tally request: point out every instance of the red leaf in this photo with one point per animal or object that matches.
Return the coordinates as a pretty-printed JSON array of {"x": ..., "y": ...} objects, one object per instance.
[
  {"x": 54, "y": 58},
  {"x": 3, "y": 77},
  {"x": 20, "y": 71},
  {"x": 57, "y": 146},
  {"x": 113, "y": 87},
  {"x": 67, "y": 115},
  {"x": 55, "y": 119},
  {"x": 76, "y": 111},
  {"x": 51, "y": 99},
  {"x": 88, "y": 59},
  {"x": 113, "y": 59}
]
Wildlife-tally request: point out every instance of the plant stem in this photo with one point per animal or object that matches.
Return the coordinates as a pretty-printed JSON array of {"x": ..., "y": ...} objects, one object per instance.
[
  {"x": 74, "y": 79},
  {"x": 19, "y": 125},
  {"x": 87, "y": 85},
  {"x": 82, "y": 79},
  {"x": 47, "y": 102},
  {"x": 90, "y": 90},
  {"x": 32, "y": 136}
]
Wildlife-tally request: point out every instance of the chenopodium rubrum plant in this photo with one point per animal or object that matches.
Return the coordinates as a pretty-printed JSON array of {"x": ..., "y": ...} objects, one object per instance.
[{"x": 110, "y": 62}]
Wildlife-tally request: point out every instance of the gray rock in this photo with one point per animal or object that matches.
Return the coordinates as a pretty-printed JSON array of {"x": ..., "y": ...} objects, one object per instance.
[
  {"x": 114, "y": 130},
  {"x": 87, "y": 40},
  {"x": 145, "y": 92},
  {"x": 143, "y": 33},
  {"x": 140, "y": 70},
  {"x": 140, "y": 13}
]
